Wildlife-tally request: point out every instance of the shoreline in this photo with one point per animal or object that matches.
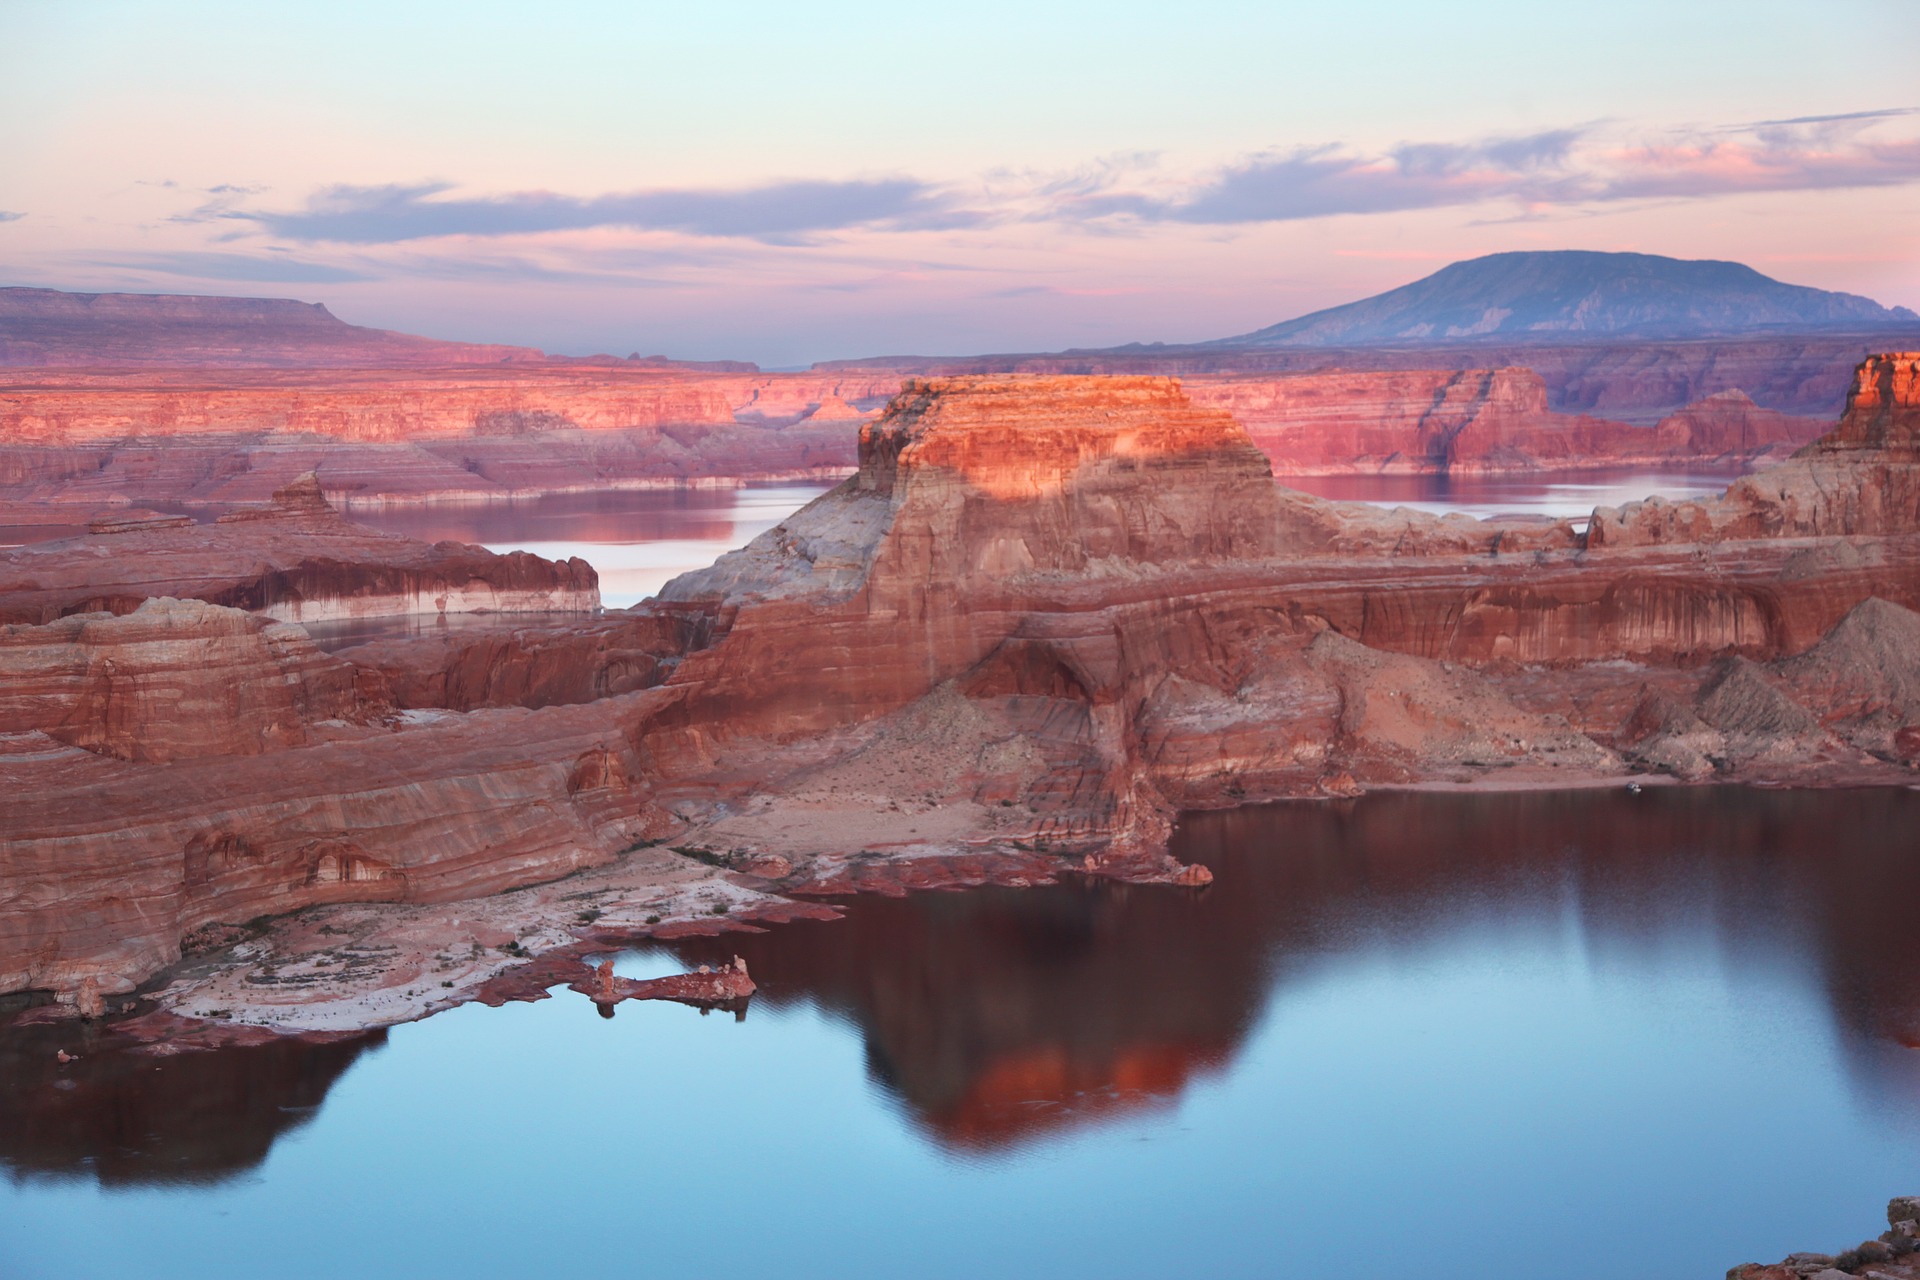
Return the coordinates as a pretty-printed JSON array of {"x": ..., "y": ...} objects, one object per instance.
[{"x": 521, "y": 943}]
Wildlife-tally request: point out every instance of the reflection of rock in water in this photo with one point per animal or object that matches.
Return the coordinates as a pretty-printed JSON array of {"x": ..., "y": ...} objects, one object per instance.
[
  {"x": 1000, "y": 1015},
  {"x": 128, "y": 1118}
]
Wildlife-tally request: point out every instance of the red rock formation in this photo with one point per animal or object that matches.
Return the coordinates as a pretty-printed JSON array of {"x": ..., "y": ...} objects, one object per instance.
[
  {"x": 1860, "y": 479},
  {"x": 1043, "y": 614},
  {"x": 706, "y": 988},
  {"x": 294, "y": 559},
  {"x": 381, "y": 437},
  {"x": 550, "y": 664},
  {"x": 1636, "y": 382},
  {"x": 1475, "y": 421},
  {"x": 417, "y": 435},
  {"x": 174, "y": 679}
]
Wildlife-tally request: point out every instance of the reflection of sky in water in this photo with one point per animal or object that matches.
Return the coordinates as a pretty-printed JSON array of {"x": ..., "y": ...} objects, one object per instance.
[
  {"x": 638, "y": 540},
  {"x": 632, "y": 571},
  {"x": 1561, "y": 498},
  {"x": 1582, "y": 1034}
]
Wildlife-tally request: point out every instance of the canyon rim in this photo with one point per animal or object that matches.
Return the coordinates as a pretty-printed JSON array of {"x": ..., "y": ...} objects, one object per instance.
[{"x": 1060, "y": 641}]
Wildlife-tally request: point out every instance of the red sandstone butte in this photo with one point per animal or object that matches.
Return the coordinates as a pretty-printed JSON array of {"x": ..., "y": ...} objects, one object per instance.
[
  {"x": 294, "y": 559},
  {"x": 1045, "y": 614}
]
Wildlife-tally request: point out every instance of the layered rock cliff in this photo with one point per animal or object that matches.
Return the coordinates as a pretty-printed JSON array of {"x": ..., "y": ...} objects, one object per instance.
[
  {"x": 72, "y": 442},
  {"x": 1862, "y": 478},
  {"x": 1042, "y": 615},
  {"x": 174, "y": 680},
  {"x": 293, "y": 558}
]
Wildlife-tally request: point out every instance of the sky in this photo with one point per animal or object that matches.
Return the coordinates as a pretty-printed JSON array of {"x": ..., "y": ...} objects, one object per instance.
[{"x": 788, "y": 182}]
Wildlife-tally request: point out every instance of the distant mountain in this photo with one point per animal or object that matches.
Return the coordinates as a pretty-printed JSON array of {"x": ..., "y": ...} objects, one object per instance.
[
  {"x": 1571, "y": 293},
  {"x": 48, "y": 328}
]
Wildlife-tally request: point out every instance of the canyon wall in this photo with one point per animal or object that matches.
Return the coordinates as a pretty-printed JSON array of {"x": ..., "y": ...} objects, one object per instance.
[
  {"x": 294, "y": 559},
  {"x": 1635, "y": 381},
  {"x": 76, "y": 442},
  {"x": 1042, "y": 615}
]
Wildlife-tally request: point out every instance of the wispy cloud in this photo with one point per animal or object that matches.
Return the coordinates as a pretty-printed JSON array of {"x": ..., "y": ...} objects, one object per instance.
[
  {"x": 8, "y": 216},
  {"x": 271, "y": 269},
  {"x": 1812, "y": 153},
  {"x": 775, "y": 212},
  {"x": 1556, "y": 168}
]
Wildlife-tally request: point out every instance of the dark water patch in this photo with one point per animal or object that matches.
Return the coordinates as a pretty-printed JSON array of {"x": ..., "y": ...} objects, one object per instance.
[{"x": 1585, "y": 1034}]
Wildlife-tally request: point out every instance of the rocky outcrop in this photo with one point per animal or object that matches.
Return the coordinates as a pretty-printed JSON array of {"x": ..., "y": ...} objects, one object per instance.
[
  {"x": 1891, "y": 1255},
  {"x": 553, "y": 663},
  {"x": 174, "y": 680},
  {"x": 84, "y": 441},
  {"x": 377, "y": 436},
  {"x": 1860, "y": 479},
  {"x": 1043, "y": 614},
  {"x": 294, "y": 559}
]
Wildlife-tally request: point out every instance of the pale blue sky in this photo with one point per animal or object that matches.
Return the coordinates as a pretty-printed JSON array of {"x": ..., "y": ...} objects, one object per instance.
[{"x": 787, "y": 182}]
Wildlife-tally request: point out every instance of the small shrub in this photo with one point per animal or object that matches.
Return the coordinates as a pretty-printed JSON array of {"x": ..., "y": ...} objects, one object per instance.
[
  {"x": 718, "y": 908},
  {"x": 653, "y": 919}
]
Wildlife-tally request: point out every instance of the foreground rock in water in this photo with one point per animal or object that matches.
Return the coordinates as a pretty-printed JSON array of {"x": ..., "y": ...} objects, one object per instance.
[
  {"x": 294, "y": 559},
  {"x": 1045, "y": 614},
  {"x": 1893, "y": 1255}
]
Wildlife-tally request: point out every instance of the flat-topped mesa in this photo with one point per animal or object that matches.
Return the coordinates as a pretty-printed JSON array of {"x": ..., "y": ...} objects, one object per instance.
[
  {"x": 966, "y": 482},
  {"x": 1012, "y": 475},
  {"x": 1861, "y": 479}
]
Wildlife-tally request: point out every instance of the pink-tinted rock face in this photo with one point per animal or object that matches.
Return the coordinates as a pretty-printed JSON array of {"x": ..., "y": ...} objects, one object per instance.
[
  {"x": 293, "y": 558},
  {"x": 1476, "y": 421},
  {"x": 173, "y": 680},
  {"x": 377, "y": 436},
  {"x": 1043, "y": 614},
  {"x": 1636, "y": 382},
  {"x": 1862, "y": 478},
  {"x": 75, "y": 440}
]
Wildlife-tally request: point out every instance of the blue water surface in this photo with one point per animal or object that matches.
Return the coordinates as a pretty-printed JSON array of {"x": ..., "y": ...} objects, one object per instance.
[{"x": 1578, "y": 1035}]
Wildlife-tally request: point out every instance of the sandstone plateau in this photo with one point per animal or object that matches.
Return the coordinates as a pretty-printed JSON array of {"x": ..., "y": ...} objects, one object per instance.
[
  {"x": 293, "y": 558},
  {"x": 73, "y": 444},
  {"x": 1044, "y": 615}
]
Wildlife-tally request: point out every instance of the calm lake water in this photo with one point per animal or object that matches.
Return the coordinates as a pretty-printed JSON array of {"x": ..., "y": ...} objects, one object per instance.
[
  {"x": 641, "y": 540},
  {"x": 1490, "y": 1037},
  {"x": 638, "y": 540}
]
